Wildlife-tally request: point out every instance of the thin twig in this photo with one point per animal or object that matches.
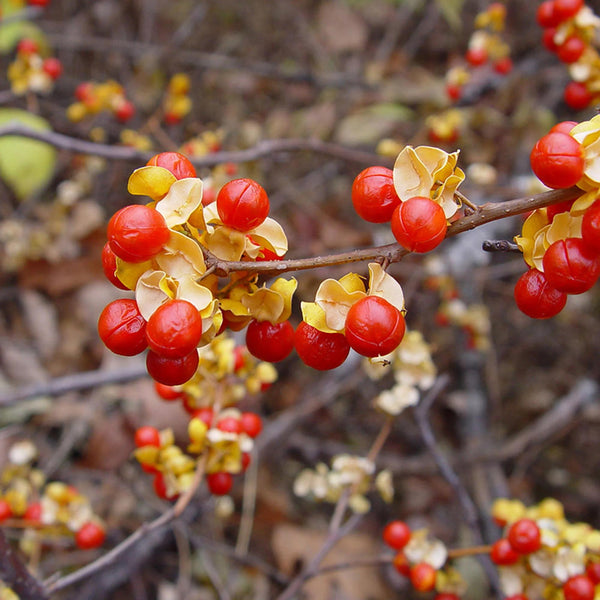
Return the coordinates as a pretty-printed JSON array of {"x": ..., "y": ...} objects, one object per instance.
[
  {"x": 262, "y": 149},
  {"x": 248, "y": 506},
  {"x": 110, "y": 557},
  {"x": 77, "y": 381},
  {"x": 467, "y": 505},
  {"x": 492, "y": 211},
  {"x": 313, "y": 567},
  {"x": 14, "y": 574},
  {"x": 500, "y": 246}
]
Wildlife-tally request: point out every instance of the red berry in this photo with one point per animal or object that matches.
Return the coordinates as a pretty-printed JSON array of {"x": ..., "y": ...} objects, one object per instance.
[
  {"x": 476, "y": 56},
  {"x": 84, "y": 91},
  {"x": 251, "y": 424},
  {"x": 147, "y": 436},
  {"x": 137, "y": 232},
  {"x": 219, "y": 483},
  {"x": 171, "y": 118},
  {"x": 33, "y": 513},
  {"x": 167, "y": 392},
  {"x": 90, "y": 535},
  {"x": 396, "y": 534},
  {"x": 565, "y": 9},
  {"x": 422, "y": 577},
  {"x": 446, "y": 596},
  {"x": 270, "y": 342},
  {"x": 125, "y": 111},
  {"x": 517, "y": 597},
  {"x": 27, "y": 46},
  {"x": 174, "y": 329},
  {"x": 374, "y": 327},
  {"x": 545, "y": 15},
  {"x": 38, "y": 2},
  {"x": 524, "y": 536},
  {"x": 563, "y": 127},
  {"x": 160, "y": 488},
  {"x": 504, "y": 65},
  {"x": 246, "y": 460},
  {"x": 453, "y": 91},
  {"x": 177, "y": 163},
  {"x": 230, "y": 425},
  {"x": 419, "y": 224},
  {"x": 557, "y": 160},
  {"x": 570, "y": 267},
  {"x": 401, "y": 564},
  {"x": 373, "y": 194},
  {"x": 5, "y": 511},
  {"x": 205, "y": 414},
  {"x": 242, "y": 204},
  {"x": 122, "y": 328},
  {"x": 172, "y": 371},
  {"x": 571, "y": 49},
  {"x": 590, "y": 228},
  {"x": 579, "y": 587},
  {"x": 318, "y": 349},
  {"x": 561, "y": 207},
  {"x": 503, "y": 553},
  {"x": 577, "y": 96},
  {"x": 548, "y": 39},
  {"x": 536, "y": 297},
  {"x": 109, "y": 266},
  {"x": 52, "y": 67},
  {"x": 592, "y": 570}
]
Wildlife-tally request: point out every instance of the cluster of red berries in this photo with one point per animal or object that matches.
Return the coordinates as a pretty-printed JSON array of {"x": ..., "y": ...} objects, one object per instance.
[
  {"x": 93, "y": 98},
  {"x": 135, "y": 234},
  {"x": 219, "y": 482},
  {"x": 485, "y": 47},
  {"x": 557, "y": 17},
  {"x": 571, "y": 265},
  {"x": 422, "y": 575},
  {"x": 51, "y": 65},
  {"x": 89, "y": 535},
  {"x": 373, "y": 327},
  {"x": 524, "y": 538},
  {"x": 418, "y": 223}
]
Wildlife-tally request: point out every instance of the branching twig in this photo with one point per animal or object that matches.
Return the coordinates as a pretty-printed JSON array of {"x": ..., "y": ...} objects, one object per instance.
[
  {"x": 313, "y": 567},
  {"x": 110, "y": 557},
  {"x": 263, "y": 149},
  {"x": 492, "y": 211},
  {"x": 467, "y": 505},
  {"x": 14, "y": 574}
]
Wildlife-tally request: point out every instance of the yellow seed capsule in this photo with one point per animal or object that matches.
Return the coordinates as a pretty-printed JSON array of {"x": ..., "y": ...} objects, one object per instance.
[
  {"x": 550, "y": 508},
  {"x": 197, "y": 431},
  {"x": 179, "y": 84},
  {"x": 76, "y": 112}
]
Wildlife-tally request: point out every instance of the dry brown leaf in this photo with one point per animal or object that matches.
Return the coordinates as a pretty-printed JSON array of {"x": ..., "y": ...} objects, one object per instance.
[{"x": 294, "y": 545}]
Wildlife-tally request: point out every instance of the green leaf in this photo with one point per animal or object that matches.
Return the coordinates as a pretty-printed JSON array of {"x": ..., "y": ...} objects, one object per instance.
[
  {"x": 14, "y": 31},
  {"x": 26, "y": 165}
]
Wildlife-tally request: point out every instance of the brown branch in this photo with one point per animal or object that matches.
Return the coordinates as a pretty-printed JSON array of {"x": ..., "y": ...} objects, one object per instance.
[
  {"x": 312, "y": 568},
  {"x": 76, "y": 381},
  {"x": 499, "y": 246},
  {"x": 110, "y": 557},
  {"x": 262, "y": 149},
  {"x": 15, "y": 575},
  {"x": 486, "y": 213}
]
